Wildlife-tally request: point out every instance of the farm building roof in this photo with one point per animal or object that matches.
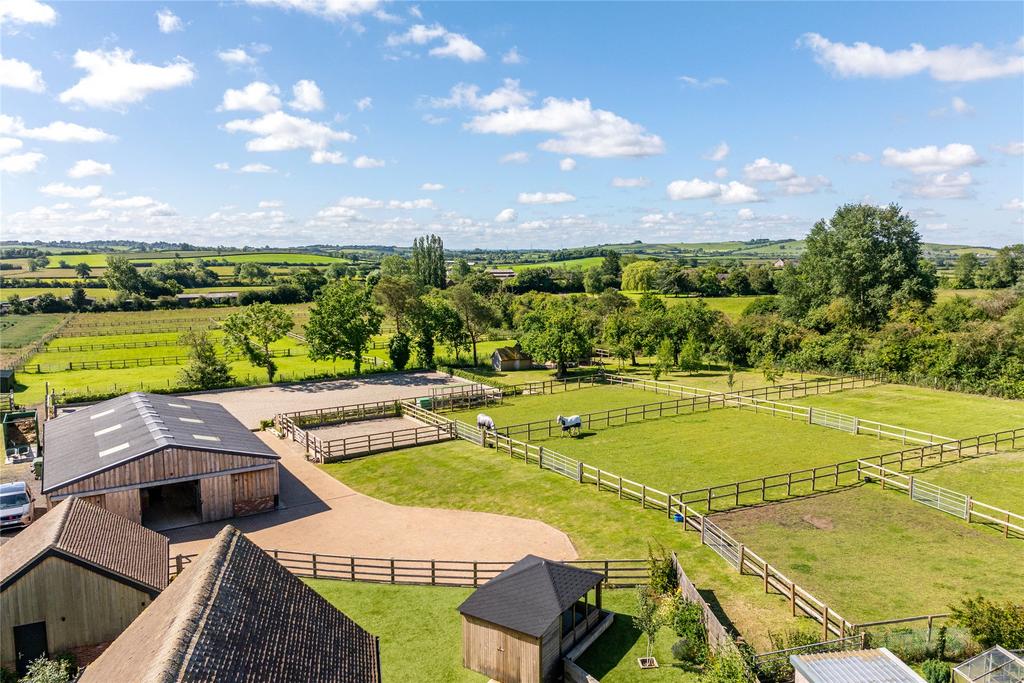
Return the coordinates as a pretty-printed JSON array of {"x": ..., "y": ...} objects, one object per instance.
[
  {"x": 83, "y": 532},
  {"x": 530, "y": 594},
  {"x": 237, "y": 615},
  {"x": 111, "y": 433},
  {"x": 511, "y": 353},
  {"x": 857, "y": 666}
]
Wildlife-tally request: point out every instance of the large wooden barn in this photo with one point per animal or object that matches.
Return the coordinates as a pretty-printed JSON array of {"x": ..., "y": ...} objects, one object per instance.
[
  {"x": 235, "y": 614},
  {"x": 162, "y": 461},
  {"x": 517, "y": 627},
  {"x": 74, "y": 579}
]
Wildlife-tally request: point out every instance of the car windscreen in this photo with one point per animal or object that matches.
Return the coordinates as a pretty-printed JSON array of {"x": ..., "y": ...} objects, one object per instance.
[{"x": 13, "y": 500}]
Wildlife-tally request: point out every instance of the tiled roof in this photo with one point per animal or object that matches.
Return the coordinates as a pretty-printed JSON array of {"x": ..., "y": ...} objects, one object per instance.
[
  {"x": 237, "y": 616},
  {"x": 530, "y": 594},
  {"x": 88, "y": 533},
  {"x": 108, "y": 434}
]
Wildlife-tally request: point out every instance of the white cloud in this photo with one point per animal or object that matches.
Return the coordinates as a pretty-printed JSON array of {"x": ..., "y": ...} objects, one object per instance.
[
  {"x": 506, "y": 216},
  {"x": 270, "y": 204},
  {"x": 512, "y": 57},
  {"x": 434, "y": 120},
  {"x": 960, "y": 106},
  {"x": 236, "y": 56},
  {"x": 545, "y": 197},
  {"x": 222, "y": 166},
  {"x": 1014, "y": 204},
  {"x": 360, "y": 203},
  {"x": 15, "y": 73},
  {"x": 368, "y": 162},
  {"x": 766, "y": 170},
  {"x": 321, "y": 156},
  {"x": 57, "y": 131},
  {"x": 947, "y": 63},
  {"x": 730, "y": 193},
  {"x": 70, "y": 191},
  {"x": 257, "y": 96},
  {"x": 257, "y": 168},
  {"x": 798, "y": 185},
  {"x": 8, "y": 145},
  {"x": 859, "y": 158},
  {"x": 168, "y": 22},
  {"x": 278, "y": 132},
  {"x": 335, "y": 10},
  {"x": 720, "y": 152},
  {"x": 942, "y": 186},
  {"x": 721, "y": 172},
  {"x": 465, "y": 95},
  {"x": 87, "y": 167},
  {"x": 455, "y": 44},
  {"x": 1014, "y": 149},
  {"x": 745, "y": 214},
  {"x": 932, "y": 159},
  {"x": 26, "y": 12},
  {"x": 432, "y": 187},
  {"x": 693, "y": 82},
  {"x": 115, "y": 79},
  {"x": 21, "y": 163},
  {"x": 582, "y": 130},
  {"x": 308, "y": 96},
  {"x": 630, "y": 182},
  {"x": 567, "y": 164},
  {"x": 514, "y": 158},
  {"x": 364, "y": 104},
  {"x": 411, "y": 204}
]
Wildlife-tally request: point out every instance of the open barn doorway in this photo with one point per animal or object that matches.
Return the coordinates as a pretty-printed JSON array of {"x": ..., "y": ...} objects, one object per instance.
[{"x": 171, "y": 505}]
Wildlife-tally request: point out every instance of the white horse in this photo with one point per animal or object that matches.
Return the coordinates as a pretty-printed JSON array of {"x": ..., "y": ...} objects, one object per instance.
[
  {"x": 570, "y": 425},
  {"x": 484, "y": 422}
]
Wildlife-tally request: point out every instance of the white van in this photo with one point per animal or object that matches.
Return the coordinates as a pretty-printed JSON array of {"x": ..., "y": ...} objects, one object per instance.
[{"x": 17, "y": 505}]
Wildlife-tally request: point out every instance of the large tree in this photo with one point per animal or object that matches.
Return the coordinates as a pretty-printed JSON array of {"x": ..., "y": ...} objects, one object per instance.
[
  {"x": 205, "y": 369},
  {"x": 476, "y": 313},
  {"x": 398, "y": 296},
  {"x": 428, "y": 266},
  {"x": 342, "y": 322},
  {"x": 122, "y": 276},
  {"x": 558, "y": 330},
  {"x": 252, "y": 330},
  {"x": 870, "y": 256},
  {"x": 640, "y": 276}
]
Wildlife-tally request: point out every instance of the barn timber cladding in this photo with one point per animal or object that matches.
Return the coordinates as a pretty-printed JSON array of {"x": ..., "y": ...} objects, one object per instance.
[{"x": 110, "y": 452}]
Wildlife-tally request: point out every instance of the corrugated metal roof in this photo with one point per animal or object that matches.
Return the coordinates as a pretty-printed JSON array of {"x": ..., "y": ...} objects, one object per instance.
[
  {"x": 858, "y": 666},
  {"x": 108, "y": 434}
]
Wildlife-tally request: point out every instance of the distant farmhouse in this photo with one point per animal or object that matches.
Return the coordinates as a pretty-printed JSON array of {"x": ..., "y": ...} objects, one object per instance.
[
  {"x": 501, "y": 274},
  {"x": 236, "y": 615},
  {"x": 75, "y": 579},
  {"x": 159, "y": 460},
  {"x": 508, "y": 358}
]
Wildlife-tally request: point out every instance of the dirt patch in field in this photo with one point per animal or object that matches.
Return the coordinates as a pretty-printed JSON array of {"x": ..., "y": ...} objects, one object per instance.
[{"x": 823, "y": 523}]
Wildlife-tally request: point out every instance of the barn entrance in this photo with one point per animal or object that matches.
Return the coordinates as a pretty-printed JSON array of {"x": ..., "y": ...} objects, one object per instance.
[{"x": 171, "y": 505}]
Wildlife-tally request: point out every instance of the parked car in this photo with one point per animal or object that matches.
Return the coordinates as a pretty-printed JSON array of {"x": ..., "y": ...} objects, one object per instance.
[{"x": 17, "y": 505}]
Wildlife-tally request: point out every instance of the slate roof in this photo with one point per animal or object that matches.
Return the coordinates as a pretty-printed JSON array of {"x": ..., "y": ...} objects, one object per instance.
[
  {"x": 858, "y": 666},
  {"x": 530, "y": 594},
  {"x": 86, "y": 533},
  {"x": 105, "y": 435},
  {"x": 511, "y": 353},
  {"x": 237, "y": 616}
]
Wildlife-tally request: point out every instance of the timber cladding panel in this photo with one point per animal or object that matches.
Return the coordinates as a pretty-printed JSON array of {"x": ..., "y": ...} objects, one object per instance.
[
  {"x": 167, "y": 464},
  {"x": 216, "y": 494},
  {"x": 551, "y": 651},
  {"x": 500, "y": 653},
  {"x": 79, "y": 605},
  {"x": 125, "y": 503},
  {"x": 254, "y": 491}
]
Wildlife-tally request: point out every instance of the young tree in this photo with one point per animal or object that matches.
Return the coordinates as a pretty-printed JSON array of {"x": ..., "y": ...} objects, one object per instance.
[
  {"x": 83, "y": 270},
  {"x": 398, "y": 350},
  {"x": 205, "y": 369},
  {"x": 691, "y": 355},
  {"x": 476, "y": 313},
  {"x": 310, "y": 281},
  {"x": 253, "y": 272},
  {"x": 648, "y": 619},
  {"x": 342, "y": 322},
  {"x": 79, "y": 301},
  {"x": 967, "y": 267},
  {"x": 769, "y": 368},
  {"x": 664, "y": 360},
  {"x": 398, "y": 296},
  {"x": 252, "y": 330},
  {"x": 558, "y": 330}
]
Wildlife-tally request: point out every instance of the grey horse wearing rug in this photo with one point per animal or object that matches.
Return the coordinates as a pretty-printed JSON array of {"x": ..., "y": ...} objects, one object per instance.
[
  {"x": 570, "y": 425},
  {"x": 484, "y": 422}
]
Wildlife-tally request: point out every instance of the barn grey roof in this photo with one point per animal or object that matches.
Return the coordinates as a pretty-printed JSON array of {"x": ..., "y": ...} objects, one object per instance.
[
  {"x": 858, "y": 666},
  {"x": 88, "y": 534},
  {"x": 530, "y": 594},
  {"x": 237, "y": 616},
  {"x": 102, "y": 436}
]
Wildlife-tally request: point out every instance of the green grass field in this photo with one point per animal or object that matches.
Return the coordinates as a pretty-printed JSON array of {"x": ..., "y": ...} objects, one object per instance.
[
  {"x": 873, "y": 554},
  {"x": 996, "y": 479},
  {"x": 688, "y": 451},
  {"x": 466, "y": 477},
  {"x": 17, "y": 331},
  {"x": 732, "y": 306},
  {"x": 571, "y": 264},
  {"x": 941, "y": 412}
]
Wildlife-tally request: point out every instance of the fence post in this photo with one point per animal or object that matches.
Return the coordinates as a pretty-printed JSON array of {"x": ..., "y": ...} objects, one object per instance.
[
  {"x": 392, "y": 570},
  {"x": 743, "y": 552},
  {"x": 792, "y": 598},
  {"x": 540, "y": 457},
  {"x": 352, "y": 568},
  {"x": 910, "y": 487},
  {"x": 474, "y": 574},
  {"x": 314, "y": 566},
  {"x": 643, "y": 496},
  {"x": 824, "y": 622},
  {"x": 579, "y": 471},
  {"x": 433, "y": 573},
  {"x": 810, "y": 416},
  {"x": 178, "y": 562}
]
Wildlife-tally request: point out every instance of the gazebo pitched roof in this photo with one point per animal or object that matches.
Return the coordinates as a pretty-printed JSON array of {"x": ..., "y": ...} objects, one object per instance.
[{"x": 530, "y": 594}]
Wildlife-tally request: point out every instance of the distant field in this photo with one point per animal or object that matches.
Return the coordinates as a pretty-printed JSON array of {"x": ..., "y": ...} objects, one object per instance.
[
  {"x": 996, "y": 479},
  {"x": 17, "y": 331},
  {"x": 973, "y": 294},
  {"x": 575, "y": 264},
  {"x": 732, "y": 306},
  {"x": 874, "y": 554}
]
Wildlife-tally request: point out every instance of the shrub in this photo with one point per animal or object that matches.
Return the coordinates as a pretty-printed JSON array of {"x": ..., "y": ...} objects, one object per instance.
[
  {"x": 687, "y": 621},
  {"x": 991, "y": 623},
  {"x": 936, "y": 671},
  {"x": 662, "y": 570},
  {"x": 399, "y": 351},
  {"x": 685, "y": 650},
  {"x": 725, "y": 668},
  {"x": 45, "y": 670}
]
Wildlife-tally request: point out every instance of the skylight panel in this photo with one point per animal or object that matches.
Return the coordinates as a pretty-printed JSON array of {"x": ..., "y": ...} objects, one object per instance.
[
  {"x": 205, "y": 437},
  {"x": 101, "y": 414},
  {"x": 179, "y": 405},
  {"x": 191, "y": 419},
  {"x": 115, "y": 449},
  {"x": 107, "y": 430}
]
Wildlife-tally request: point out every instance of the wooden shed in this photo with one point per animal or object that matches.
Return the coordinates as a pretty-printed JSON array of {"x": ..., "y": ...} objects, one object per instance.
[
  {"x": 162, "y": 461},
  {"x": 517, "y": 627},
  {"x": 235, "y": 615},
  {"x": 75, "y": 579},
  {"x": 510, "y": 358}
]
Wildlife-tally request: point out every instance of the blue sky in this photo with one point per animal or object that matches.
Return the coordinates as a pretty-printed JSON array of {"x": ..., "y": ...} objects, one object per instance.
[{"x": 287, "y": 122}]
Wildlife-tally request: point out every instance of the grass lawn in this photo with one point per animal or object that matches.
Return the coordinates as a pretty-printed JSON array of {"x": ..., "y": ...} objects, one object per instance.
[
  {"x": 996, "y": 479},
  {"x": 940, "y": 412},
  {"x": 25, "y": 292},
  {"x": 17, "y": 331},
  {"x": 711, "y": 377},
  {"x": 873, "y": 554},
  {"x": 467, "y": 477},
  {"x": 687, "y": 451}
]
